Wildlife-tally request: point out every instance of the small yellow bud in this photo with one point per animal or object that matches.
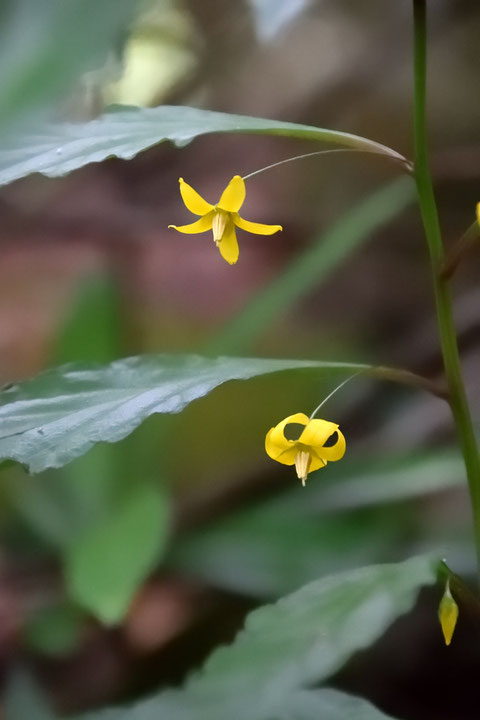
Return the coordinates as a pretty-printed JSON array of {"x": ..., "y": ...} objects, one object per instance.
[{"x": 448, "y": 614}]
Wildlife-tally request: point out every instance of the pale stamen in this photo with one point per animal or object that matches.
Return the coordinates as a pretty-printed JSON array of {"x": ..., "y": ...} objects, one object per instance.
[
  {"x": 218, "y": 226},
  {"x": 302, "y": 465}
]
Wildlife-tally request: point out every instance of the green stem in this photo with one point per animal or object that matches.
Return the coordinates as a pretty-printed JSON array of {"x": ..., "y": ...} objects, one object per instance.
[{"x": 451, "y": 360}]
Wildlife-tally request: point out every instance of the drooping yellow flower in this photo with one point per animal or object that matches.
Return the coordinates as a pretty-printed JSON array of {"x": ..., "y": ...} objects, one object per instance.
[
  {"x": 222, "y": 217},
  {"x": 308, "y": 453},
  {"x": 448, "y": 614}
]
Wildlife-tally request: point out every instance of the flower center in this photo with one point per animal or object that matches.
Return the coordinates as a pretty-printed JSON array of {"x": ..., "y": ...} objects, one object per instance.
[
  {"x": 302, "y": 465},
  {"x": 218, "y": 225}
]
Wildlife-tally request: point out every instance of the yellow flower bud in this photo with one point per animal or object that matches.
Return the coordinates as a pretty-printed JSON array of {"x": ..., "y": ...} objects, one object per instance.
[{"x": 448, "y": 614}]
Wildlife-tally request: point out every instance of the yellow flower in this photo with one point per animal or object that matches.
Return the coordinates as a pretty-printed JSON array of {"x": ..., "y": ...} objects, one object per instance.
[
  {"x": 222, "y": 217},
  {"x": 308, "y": 453},
  {"x": 448, "y": 614}
]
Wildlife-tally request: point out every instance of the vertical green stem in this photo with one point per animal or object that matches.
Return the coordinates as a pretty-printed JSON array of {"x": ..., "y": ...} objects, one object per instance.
[{"x": 451, "y": 360}]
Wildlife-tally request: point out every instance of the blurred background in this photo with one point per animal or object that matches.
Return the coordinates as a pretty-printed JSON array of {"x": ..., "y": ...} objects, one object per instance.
[{"x": 90, "y": 273}]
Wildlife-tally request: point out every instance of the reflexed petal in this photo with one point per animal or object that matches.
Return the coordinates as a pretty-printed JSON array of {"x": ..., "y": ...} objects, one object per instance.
[
  {"x": 193, "y": 201},
  {"x": 286, "y": 456},
  {"x": 277, "y": 433},
  {"x": 317, "y": 433},
  {"x": 256, "y": 228},
  {"x": 233, "y": 196},
  {"x": 205, "y": 223},
  {"x": 333, "y": 453},
  {"x": 228, "y": 245},
  {"x": 316, "y": 462}
]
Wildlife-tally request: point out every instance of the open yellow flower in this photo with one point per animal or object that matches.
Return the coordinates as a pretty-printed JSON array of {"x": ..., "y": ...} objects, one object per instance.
[
  {"x": 222, "y": 217},
  {"x": 308, "y": 453}
]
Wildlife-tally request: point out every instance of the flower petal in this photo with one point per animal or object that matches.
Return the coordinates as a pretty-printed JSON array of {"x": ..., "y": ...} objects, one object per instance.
[
  {"x": 317, "y": 433},
  {"x": 285, "y": 456},
  {"x": 228, "y": 245},
  {"x": 333, "y": 452},
  {"x": 316, "y": 462},
  {"x": 233, "y": 196},
  {"x": 193, "y": 201},
  {"x": 256, "y": 228},
  {"x": 277, "y": 433},
  {"x": 199, "y": 226}
]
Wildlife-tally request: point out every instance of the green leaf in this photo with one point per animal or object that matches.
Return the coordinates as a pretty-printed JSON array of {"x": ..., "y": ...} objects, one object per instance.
[
  {"x": 45, "y": 45},
  {"x": 92, "y": 330},
  {"x": 289, "y": 646},
  {"x": 59, "y": 415},
  {"x": 105, "y": 567},
  {"x": 327, "y": 704},
  {"x": 279, "y": 544},
  {"x": 58, "y": 148}
]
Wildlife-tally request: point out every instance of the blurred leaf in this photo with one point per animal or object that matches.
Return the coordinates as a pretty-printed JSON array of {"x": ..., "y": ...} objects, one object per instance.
[
  {"x": 59, "y": 415},
  {"x": 106, "y": 565},
  {"x": 267, "y": 551},
  {"x": 25, "y": 701},
  {"x": 295, "y": 643},
  {"x": 373, "y": 481},
  {"x": 54, "y": 630},
  {"x": 279, "y": 544},
  {"x": 272, "y": 16},
  {"x": 314, "y": 265},
  {"x": 45, "y": 45},
  {"x": 92, "y": 327},
  {"x": 328, "y": 704},
  {"x": 58, "y": 148}
]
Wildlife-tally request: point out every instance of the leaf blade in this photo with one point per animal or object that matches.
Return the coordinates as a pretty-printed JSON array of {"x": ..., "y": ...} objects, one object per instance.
[
  {"x": 58, "y": 148},
  {"x": 300, "y": 640}
]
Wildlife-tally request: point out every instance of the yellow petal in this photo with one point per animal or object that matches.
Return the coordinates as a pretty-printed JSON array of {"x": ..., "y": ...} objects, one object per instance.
[
  {"x": 333, "y": 452},
  {"x": 448, "y": 614},
  {"x": 478, "y": 213},
  {"x": 256, "y": 228},
  {"x": 285, "y": 455},
  {"x": 228, "y": 245},
  {"x": 317, "y": 433},
  {"x": 193, "y": 201},
  {"x": 316, "y": 462},
  {"x": 277, "y": 433},
  {"x": 233, "y": 196},
  {"x": 205, "y": 223}
]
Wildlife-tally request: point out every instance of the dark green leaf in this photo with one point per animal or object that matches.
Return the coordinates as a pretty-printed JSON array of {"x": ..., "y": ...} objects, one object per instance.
[{"x": 57, "y": 149}]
